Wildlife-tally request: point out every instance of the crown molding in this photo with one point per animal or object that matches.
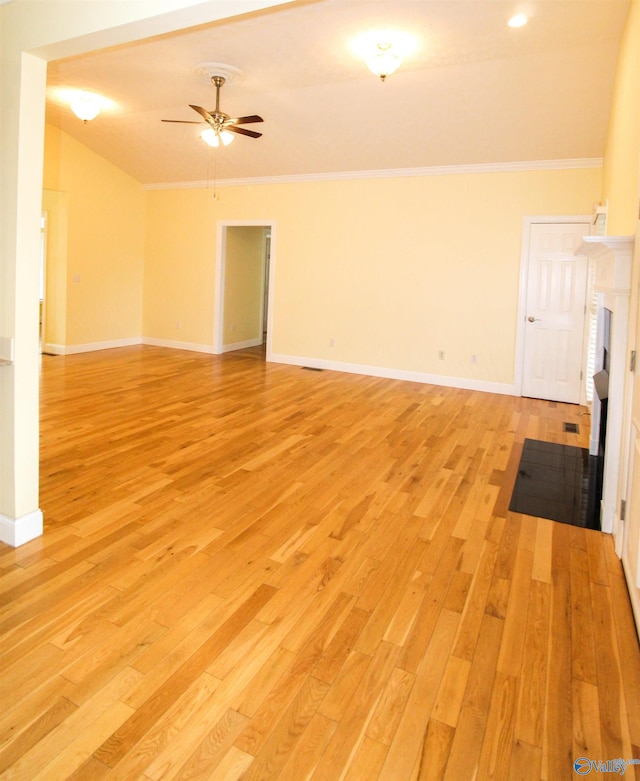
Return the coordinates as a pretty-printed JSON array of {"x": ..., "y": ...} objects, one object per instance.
[{"x": 391, "y": 173}]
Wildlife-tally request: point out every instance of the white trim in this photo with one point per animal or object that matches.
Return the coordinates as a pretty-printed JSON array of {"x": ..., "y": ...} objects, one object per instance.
[
  {"x": 172, "y": 344},
  {"x": 218, "y": 296},
  {"x": 463, "y": 383},
  {"x": 527, "y": 223},
  {"x": 53, "y": 349},
  {"x": 390, "y": 173},
  {"x": 271, "y": 286},
  {"x": 73, "y": 349},
  {"x": 614, "y": 259},
  {"x": 227, "y": 348},
  {"x": 17, "y": 531},
  {"x": 632, "y": 588},
  {"x": 218, "y": 290},
  {"x": 89, "y": 347}
]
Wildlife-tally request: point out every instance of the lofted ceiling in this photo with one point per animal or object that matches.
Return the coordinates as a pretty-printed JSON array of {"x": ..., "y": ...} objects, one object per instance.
[{"x": 475, "y": 91}]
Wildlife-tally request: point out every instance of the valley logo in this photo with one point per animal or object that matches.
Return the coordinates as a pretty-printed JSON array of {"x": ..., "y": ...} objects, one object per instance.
[{"x": 584, "y": 766}]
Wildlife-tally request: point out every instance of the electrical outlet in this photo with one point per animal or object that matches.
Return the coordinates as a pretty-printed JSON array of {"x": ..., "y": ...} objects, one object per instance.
[
  {"x": 474, "y": 359},
  {"x": 177, "y": 325},
  {"x": 332, "y": 342},
  {"x": 441, "y": 355}
]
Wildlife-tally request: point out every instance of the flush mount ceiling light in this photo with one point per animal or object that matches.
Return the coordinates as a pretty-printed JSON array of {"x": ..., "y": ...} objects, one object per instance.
[
  {"x": 519, "y": 20},
  {"x": 86, "y": 105},
  {"x": 383, "y": 61},
  {"x": 383, "y": 51}
]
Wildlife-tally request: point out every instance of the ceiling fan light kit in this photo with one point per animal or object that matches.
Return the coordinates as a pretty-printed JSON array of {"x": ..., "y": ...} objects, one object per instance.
[
  {"x": 212, "y": 138},
  {"x": 220, "y": 126}
]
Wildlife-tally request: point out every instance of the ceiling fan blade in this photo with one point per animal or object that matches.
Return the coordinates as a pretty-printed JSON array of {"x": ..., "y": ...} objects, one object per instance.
[
  {"x": 182, "y": 121},
  {"x": 203, "y": 112},
  {"x": 245, "y": 120},
  {"x": 243, "y": 131}
]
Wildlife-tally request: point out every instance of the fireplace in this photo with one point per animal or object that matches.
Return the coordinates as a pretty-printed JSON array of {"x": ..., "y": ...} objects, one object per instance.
[
  {"x": 599, "y": 410},
  {"x": 612, "y": 258}
]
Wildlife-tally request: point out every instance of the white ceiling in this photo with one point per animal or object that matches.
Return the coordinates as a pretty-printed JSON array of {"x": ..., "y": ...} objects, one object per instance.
[{"x": 475, "y": 91}]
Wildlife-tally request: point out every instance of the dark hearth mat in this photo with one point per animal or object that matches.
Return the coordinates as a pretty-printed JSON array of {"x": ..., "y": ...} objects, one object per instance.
[{"x": 553, "y": 482}]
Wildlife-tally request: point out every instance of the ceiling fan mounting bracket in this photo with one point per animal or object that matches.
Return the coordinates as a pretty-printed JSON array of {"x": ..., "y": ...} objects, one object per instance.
[{"x": 214, "y": 70}]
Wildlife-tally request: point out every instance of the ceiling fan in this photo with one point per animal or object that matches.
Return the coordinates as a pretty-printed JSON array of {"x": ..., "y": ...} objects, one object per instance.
[{"x": 220, "y": 125}]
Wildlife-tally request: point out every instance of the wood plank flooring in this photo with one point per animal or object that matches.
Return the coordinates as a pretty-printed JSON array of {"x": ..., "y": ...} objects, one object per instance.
[{"x": 253, "y": 571}]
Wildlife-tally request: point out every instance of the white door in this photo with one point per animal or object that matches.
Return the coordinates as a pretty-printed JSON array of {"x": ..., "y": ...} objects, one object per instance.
[{"x": 555, "y": 313}]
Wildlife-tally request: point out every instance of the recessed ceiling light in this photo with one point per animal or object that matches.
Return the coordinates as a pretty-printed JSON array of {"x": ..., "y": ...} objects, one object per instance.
[{"x": 519, "y": 20}]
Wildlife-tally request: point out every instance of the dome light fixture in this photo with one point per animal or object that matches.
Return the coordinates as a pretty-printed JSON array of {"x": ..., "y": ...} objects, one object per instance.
[
  {"x": 383, "y": 61},
  {"x": 86, "y": 105},
  {"x": 383, "y": 51},
  {"x": 519, "y": 20},
  {"x": 215, "y": 137}
]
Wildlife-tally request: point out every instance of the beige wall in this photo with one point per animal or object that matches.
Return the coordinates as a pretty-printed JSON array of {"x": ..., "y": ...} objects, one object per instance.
[
  {"x": 391, "y": 270},
  {"x": 622, "y": 159},
  {"x": 179, "y": 270},
  {"x": 97, "y": 298}
]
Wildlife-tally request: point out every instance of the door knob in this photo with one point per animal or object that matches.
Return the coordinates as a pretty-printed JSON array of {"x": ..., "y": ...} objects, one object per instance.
[{"x": 532, "y": 319}]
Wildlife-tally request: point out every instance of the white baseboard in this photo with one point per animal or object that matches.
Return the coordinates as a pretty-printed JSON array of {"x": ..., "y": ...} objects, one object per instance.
[
  {"x": 227, "y": 348},
  {"x": 632, "y": 588},
  {"x": 53, "y": 349},
  {"x": 175, "y": 345},
  {"x": 72, "y": 349},
  {"x": 464, "y": 383},
  {"x": 17, "y": 531}
]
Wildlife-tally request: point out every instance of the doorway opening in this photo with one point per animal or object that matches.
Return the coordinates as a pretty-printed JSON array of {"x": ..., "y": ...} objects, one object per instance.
[{"x": 244, "y": 287}]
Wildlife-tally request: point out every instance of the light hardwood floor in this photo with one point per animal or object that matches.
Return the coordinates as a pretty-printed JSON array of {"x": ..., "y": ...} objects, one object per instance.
[{"x": 254, "y": 571}]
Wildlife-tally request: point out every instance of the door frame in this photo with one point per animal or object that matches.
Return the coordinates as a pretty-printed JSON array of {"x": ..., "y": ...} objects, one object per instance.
[
  {"x": 527, "y": 224},
  {"x": 631, "y": 442},
  {"x": 219, "y": 280},
  {"x": 44, "y": 251}
]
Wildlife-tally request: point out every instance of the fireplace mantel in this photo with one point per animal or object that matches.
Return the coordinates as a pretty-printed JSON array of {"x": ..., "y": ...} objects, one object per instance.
[
  {"x": 613, "y": 258},
  {"x": 613, "y": 255}
]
